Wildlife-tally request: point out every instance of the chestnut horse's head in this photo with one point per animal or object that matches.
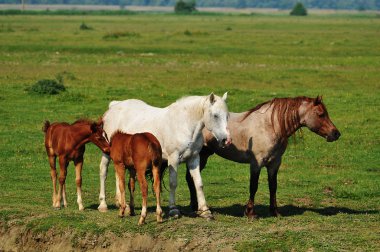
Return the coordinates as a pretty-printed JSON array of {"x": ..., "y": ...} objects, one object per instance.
[
  {"x": 99, "y": 136},
  {"x": 313, "y": 115}
]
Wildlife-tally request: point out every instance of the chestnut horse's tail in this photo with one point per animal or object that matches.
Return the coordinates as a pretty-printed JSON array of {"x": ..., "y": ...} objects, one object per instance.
[
  {"x": 154, "y": 148},
  {"x": 46, "y": 126}
]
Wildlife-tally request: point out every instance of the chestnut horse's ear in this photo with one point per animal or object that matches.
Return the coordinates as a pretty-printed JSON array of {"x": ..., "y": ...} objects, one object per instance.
[
  {"x": 212, "y": 98},
  {"x": 318, "y": 100},
  {"x": 100, "y": 122}
]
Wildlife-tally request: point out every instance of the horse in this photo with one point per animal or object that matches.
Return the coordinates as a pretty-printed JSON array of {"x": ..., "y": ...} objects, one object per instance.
[
  {"x": 67, "y": 142},
  {"x": 139, "y": 153},
  {"x": 178, "y": 128},
  {"x": 260, "y": 139}
]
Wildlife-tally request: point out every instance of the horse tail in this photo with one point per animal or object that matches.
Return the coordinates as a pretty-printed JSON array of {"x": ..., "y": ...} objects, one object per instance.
[
  {"x": 46, "y": 126},
  {"x": 154, "y": 148}
]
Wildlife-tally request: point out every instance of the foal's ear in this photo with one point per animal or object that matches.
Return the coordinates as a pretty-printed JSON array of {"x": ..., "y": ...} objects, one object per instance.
[
  {"x": 225, "y": 96},
  {"x": 212, "y": 98},
  {"x": 318, "y": 100},
  {"x": 94, "y": 127},
  {"x": 100, "y": 122}
]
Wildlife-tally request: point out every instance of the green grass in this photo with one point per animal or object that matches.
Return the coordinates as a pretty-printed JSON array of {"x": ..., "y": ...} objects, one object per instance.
[{"x": 328, "y": 193}]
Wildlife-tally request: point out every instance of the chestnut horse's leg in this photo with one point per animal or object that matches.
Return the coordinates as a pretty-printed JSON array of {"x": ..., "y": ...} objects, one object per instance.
[
  {"x": 204, "y": 155},
  {"x": 62, "y": 178},
  {"x": 120, "y": 171},
  {"x": 157, "y": 191},
  {"x": 131, "y": 187},
  {"x": 141, "y": 168},
  {"x": 78, "y": 180},
  {"x": 53, "y": 174},
  {"x": 254, "y": 182},
  {"x": 272, "y": 169}
]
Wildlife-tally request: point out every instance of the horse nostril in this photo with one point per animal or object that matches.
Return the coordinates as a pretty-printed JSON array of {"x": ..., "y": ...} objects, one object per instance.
[
  {"x": 336, "y": 134},
  {"x": 224, "y": 140}
]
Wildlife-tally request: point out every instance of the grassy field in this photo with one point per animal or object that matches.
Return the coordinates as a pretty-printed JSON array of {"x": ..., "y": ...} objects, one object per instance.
[{"x": 328, "y": 193}]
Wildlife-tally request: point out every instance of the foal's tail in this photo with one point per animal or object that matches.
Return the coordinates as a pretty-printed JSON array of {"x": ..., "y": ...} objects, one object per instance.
[
  {"x": 46, "y": 126},
  {"x": 156, "y": 155}
]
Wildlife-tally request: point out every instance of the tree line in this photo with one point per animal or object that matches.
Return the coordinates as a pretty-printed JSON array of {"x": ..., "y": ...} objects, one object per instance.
[{"x": 278, "y": 4}]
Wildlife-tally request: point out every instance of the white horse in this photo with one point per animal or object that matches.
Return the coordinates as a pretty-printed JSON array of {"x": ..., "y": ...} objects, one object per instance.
[{"x": 178, "y": 128}]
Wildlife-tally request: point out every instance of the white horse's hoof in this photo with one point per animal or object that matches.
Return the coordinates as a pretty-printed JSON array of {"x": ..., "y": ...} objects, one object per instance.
[
  {"x": 81, "y": 208},
  {"x": 174, "y": 213},
  {"x": 103, "y": 208},
  {"x": 206, "y": 214}
]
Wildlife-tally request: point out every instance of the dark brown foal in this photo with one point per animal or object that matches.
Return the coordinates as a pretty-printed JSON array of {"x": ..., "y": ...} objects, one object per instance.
[
  {"x": 138, "y": 153},
  {"x": 67, "y": 142}
]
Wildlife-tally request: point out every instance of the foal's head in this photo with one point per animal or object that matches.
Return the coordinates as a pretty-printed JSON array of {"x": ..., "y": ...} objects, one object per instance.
[
  {"x": 215, "y": 118},
  {"x": 313, "y": 114},
  {"x": 99, "y": 137}
]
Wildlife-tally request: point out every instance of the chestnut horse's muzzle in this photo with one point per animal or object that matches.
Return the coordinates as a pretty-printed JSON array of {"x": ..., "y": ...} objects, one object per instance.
[{"x": 333, "y": 136}]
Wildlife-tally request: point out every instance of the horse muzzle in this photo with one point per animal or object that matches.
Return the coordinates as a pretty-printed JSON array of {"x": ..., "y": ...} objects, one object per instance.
[
  {"x": 333, "y": 136},
  {"x": 225, "y": 142}
]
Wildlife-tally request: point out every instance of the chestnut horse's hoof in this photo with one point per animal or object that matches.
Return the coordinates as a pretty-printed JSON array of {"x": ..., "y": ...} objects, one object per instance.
[
  {"x": 102, "y": 208},
  {"x": 174, "y": 213},
  {"x": 250, "y": 213},
  {"x": 206, "y": 214},
  {"x": 141, "y": 221}
]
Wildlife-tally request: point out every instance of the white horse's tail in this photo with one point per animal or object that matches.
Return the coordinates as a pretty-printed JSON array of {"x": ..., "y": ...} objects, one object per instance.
[{"x": 112, "y": 103}]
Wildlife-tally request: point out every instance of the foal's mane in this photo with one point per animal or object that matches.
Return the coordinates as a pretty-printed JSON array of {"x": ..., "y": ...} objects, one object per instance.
[
  {"x": 83, "y": 121},
  {"x": 286, "y": 112}
]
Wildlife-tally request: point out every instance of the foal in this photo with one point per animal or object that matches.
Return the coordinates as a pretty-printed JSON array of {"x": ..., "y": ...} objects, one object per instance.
[
  {"x": 139, "y": 153},
  {"x": 67, "y": 142}
]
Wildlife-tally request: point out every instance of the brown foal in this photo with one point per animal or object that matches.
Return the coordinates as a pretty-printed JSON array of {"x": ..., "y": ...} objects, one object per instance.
[
  {"x": 139, "y": 153},
  {"x": 67, "y": 142}
]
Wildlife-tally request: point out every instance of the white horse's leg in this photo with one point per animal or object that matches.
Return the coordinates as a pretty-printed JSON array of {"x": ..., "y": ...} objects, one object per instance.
[
  {"x": 118, "y": 195},
  {"x": 193, "y": 165},
  {"x": 173, "y": 212},
  {"x": 103, "y": 176}
]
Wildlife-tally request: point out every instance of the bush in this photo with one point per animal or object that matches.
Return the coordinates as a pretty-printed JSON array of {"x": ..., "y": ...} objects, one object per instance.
[
  {"x": 50, "y": 87},
  {"x": 183, "y": 7},
  {"x": 83, "y": 26},
  {"x": 299, "y": 10}
]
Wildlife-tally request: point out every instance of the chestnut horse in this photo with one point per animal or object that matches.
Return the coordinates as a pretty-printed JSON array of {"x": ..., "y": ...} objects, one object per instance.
[
  {"x": 260, "y": 138},
  {"x": 67, "y": 142},
  {"x": 139, "y": 153}
]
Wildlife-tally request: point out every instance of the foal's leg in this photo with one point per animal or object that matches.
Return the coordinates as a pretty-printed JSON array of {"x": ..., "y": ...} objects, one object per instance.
[
  {"x": 62, "y": 178},
  {"x": 53, "y": 175},
  {"x": 120, "y": 170},
  {"x": 78, "y": 175},
  {"x": 204, "y": 155},
  {"x": 203, "y": 210},
  {"x": 272, "y": 169},
  {"x": 131, "y": 187},
  {"x": 104, "y": 163},
  {"x": 254, "y": 182},
  {"x": 141, "y": 168},
  {"x": 157, "y": 191}
]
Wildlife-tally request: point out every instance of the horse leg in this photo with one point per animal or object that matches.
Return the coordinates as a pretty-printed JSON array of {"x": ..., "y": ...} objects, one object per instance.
[
  {"x": 157, "y": 191},
  {"x": 173, "y": 165},
  {"x": 53, "y": 175},
  {"x": 104, "y": 163},
  {"x": 144, "y": 191},
  {"x": 203, "y": 210},
  {"x": 117, "y": 194},
  {"x": 78, "y": 180},
  {"x": 272, "y": 169},
  {"x": 120, "y": 170},
  {"x": 204, "y": 155},
  {"x": 62, "y": 178},
  {"x": 131, "y": 187},
  {"x": 254, "y": 182}
]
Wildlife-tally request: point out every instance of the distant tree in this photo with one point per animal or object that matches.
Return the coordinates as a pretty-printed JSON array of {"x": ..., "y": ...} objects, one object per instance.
[
  {"x": 241, "y": 4},
  {"x": 185, "y": 7},
  {"x": 299, "y": 10}
]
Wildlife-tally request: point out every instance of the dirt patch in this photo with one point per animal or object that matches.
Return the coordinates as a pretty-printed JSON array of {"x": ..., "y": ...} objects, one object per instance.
[{"x": 19, "y": 238}]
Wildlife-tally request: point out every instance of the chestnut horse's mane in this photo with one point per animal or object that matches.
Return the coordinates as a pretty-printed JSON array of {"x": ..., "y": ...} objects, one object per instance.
[
  {"x": 286, "y": 111},
  {"x": 83, "y": 121}
]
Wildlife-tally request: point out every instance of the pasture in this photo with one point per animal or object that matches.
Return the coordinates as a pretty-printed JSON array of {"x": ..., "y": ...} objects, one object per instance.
[{"x": 328, "y": 193}]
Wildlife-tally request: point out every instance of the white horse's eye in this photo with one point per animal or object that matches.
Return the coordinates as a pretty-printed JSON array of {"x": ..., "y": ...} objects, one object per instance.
[{"x": 216, "y": 116}]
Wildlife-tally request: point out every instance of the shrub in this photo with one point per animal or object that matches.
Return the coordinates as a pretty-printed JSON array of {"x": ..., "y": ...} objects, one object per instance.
[
  {"x": 83, "y": 26},
  {"x": 299, "y": 10},
  {"x": 183, "y": 7},
  {"x": 116, "y": 35},
  {"x": 50, "y": 87}
]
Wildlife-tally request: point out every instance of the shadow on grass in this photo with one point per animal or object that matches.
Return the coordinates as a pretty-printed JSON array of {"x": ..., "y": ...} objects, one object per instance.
[{"x": 237, "y": 210}]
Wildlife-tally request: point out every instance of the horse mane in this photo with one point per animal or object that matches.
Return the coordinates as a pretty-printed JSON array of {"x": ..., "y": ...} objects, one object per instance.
[
  {"x": 286, "y": 112},
  {"x": 83, "y": 121}
]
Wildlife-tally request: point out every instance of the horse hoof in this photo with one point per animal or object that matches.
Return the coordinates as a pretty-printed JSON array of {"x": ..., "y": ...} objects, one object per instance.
[
  {"x": 141, "y": 221},
  {"x": 102, "y": 208},
  {"x": 56, "y": 208},
  {"x": 206, "y": 215},
  {"x": 174, "y": 213}
]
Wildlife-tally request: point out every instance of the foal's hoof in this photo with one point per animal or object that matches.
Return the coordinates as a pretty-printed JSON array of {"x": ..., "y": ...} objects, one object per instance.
[
  {"x": 103, "y": 208},
  {"x": 174, "y": 213},
  {"x": 206, "y": 214},
  {"x": 141, "y": 221},
  {"x": 56, "y": 208}
]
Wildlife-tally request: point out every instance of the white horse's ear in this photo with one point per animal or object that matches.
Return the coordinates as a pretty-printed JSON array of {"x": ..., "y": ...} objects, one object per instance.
[
  {"x": 225, "y": 96},
  {"x": 212, "y": 98}
]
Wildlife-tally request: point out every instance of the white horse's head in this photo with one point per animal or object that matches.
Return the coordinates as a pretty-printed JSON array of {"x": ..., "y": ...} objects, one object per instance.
[{"x": 215, "y": 118}]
